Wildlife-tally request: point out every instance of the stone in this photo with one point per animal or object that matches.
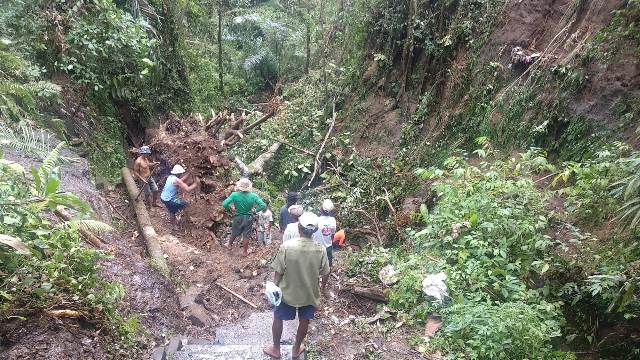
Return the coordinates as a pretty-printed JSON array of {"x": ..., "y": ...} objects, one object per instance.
[
  {"x": 174, "y": 346},
  {"x": 189, "y": 297},
  {"x": 197, "y": 315},
  {"x": 158, "y": 354}
]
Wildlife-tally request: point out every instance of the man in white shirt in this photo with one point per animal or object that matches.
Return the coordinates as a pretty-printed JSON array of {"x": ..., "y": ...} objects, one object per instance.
[
  {"x": 326, "y": 229},
  {"x": 291, "y": 231}
]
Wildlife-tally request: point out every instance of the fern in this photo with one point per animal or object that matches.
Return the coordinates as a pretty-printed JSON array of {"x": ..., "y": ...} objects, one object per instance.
[
  {"x": 51, "y": 161},
  {"x": 89, "y": 225},
  {"x": 628, "y": 189},
  {"x": 31, "y": 142}
]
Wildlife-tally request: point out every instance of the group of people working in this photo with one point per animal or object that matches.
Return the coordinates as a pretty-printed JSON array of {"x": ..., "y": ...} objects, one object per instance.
[{"x": 305, "y": 257}]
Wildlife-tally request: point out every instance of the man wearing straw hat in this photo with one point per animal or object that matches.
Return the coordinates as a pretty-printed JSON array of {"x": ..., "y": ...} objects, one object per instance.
[{"x": 244, "y": 201}]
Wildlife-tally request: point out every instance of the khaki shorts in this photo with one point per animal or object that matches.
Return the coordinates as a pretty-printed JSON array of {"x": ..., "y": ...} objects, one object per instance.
[{"x": 150, "y": 186}]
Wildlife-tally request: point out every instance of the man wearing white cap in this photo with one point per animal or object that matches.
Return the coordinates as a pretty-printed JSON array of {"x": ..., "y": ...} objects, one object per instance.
[
  {"x": 326, "y": 229},
  {"x": 298, "y": 266},
  {"x": 169, "y": 194},
  {"x": 142, "y": 169},
  {"x": 244, "y": 201},
  {"x": 291, "y": 230}
]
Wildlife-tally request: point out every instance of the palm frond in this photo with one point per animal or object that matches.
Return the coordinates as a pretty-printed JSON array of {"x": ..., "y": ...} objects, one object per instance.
[
  {"x": 31, "y": 142},
  {"x": 94, "y": 226},
  {"x": 141, "y": 9}
]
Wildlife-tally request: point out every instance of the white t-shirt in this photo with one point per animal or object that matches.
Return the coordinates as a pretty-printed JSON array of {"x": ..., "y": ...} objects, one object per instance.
[
  {"x": 290, "y": 232},
  {"x": 264, "y": 218},
  {"x": 326, "y": 228}
]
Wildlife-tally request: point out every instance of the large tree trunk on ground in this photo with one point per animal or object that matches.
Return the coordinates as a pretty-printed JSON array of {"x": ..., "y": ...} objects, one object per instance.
[{"x": 149, "y": 234}]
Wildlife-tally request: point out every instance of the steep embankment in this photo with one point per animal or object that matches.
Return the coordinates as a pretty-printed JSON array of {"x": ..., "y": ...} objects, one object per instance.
[{"x": 550, "y": 73}]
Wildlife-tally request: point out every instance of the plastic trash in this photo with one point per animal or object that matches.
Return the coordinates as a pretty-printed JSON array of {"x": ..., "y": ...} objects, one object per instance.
[
  {"x": 433, "y": 285},
  {"x": 273, "y": 293}
]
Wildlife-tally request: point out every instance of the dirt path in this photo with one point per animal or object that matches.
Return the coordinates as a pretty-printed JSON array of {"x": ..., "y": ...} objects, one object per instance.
[{"x": 341, "y": 329}]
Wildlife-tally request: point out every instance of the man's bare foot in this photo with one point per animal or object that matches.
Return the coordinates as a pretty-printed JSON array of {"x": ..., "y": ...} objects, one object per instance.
[
  {"x": 245, "y": 254},
  {"x": 157, "y": 205},
  {"x": 296, "y": 354},
  {"x": 272, "y": 351}
]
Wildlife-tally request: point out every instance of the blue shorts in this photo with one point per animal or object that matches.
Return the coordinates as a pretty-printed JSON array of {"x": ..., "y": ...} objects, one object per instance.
[
  {"x": 174, "y": 205},
  {"x": 287, "y": 312}
]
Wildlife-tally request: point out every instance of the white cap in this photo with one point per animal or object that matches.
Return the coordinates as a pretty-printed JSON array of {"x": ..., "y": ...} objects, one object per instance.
[
  {"x": 178, "y": 169},
  {"x": 308, "y": 220},
  {"x": 295, "y": 210},
  {"x": 327, "y": 205}
]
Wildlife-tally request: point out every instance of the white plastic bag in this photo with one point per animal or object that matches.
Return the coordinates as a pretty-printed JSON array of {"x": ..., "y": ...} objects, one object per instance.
[
  {"x": 433, "y": 285},
  {"x": 273, "y": 293}
]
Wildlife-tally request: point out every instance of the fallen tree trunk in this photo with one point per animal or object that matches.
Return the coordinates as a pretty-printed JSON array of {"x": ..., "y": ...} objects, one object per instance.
[
  {"x": 149, "y": 234},
  {"x": 257, "y": 165},
  {"x": 375, "y": 294},
  {"x": 86, "y": 234}
]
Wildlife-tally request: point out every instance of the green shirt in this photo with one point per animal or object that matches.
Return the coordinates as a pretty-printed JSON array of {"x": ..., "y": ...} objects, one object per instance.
[
  {"x": 301, "y": 262},
  {"x": 244, "y": 202}
]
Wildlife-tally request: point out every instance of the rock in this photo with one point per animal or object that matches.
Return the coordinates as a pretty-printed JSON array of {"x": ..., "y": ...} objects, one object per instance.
[
  {"x": 174, "y": 346},
  {"x": 189, "y": 297},
  {"x": 246, "y": 274},
  {"x": 388, "y": 275},
  {"x": 158, "y": 354},
  {"x": 434, "y": 324},
  {"x": 198, "y": 315}
]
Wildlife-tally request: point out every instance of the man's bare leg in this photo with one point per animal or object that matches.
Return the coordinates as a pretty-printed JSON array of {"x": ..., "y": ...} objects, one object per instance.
[
  {"x": 229, "y": 244},
  {"x": 147, "y": 200},
  {"x": 245, "y": 245},
  {"x": 298, "y": 347},
  {"x": 155, "y": 199},
  {"x": 273, "y": 349},
  {"x": 173, "y": 220}
]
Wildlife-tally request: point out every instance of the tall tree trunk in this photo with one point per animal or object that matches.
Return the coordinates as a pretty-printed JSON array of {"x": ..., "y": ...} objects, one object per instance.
[
  {"x": 220, "y": 66},
  {"x": 307, "y": 46},
  {"x": 407, "y": 51}
]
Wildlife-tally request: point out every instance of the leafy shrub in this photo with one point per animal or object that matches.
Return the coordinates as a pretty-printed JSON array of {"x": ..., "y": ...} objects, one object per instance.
[
  {"x": 588, "y": 193},
  {"x": 44, "y": 265},
  {"x": 488, "y": 226},
  {"x": 512, "y": 330}
]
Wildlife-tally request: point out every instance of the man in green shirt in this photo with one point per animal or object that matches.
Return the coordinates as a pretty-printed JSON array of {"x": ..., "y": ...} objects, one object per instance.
[
  {"x": 244, "y": 200},
  {"x": 298, "y": 267}
]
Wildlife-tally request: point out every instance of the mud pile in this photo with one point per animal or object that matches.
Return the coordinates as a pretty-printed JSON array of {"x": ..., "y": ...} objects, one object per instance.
[{"x": 186, "y": 141}]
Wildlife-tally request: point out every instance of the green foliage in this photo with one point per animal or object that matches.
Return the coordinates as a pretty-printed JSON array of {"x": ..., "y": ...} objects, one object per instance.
[
  {"x": 589, "y": 195},
  {"x": 21, "y": 90},
  {"x": 110, "y": 51},
  {"x": 54, "y": 266},
  {"x": 512, "y": 330}
]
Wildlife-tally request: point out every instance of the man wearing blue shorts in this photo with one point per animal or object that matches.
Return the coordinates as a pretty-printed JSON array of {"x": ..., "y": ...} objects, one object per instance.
[{"x": 298, "y": 266}]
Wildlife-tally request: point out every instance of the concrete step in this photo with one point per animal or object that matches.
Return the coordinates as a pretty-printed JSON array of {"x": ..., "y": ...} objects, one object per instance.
[{"x": 228, "y": 352}]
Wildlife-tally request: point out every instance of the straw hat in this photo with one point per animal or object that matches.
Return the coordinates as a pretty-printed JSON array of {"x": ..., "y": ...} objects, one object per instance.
[
  {"x": 243, "y": 184},
  {"x": 177, "y": 170},
  {"x": 296, "y": 210}
]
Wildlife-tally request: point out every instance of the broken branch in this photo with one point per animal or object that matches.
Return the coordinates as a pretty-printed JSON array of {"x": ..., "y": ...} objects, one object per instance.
[
  {"x": 237, "y": 295},
  {"x": 86, "y": 234},
  {"x": 317, "y": 163}
]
